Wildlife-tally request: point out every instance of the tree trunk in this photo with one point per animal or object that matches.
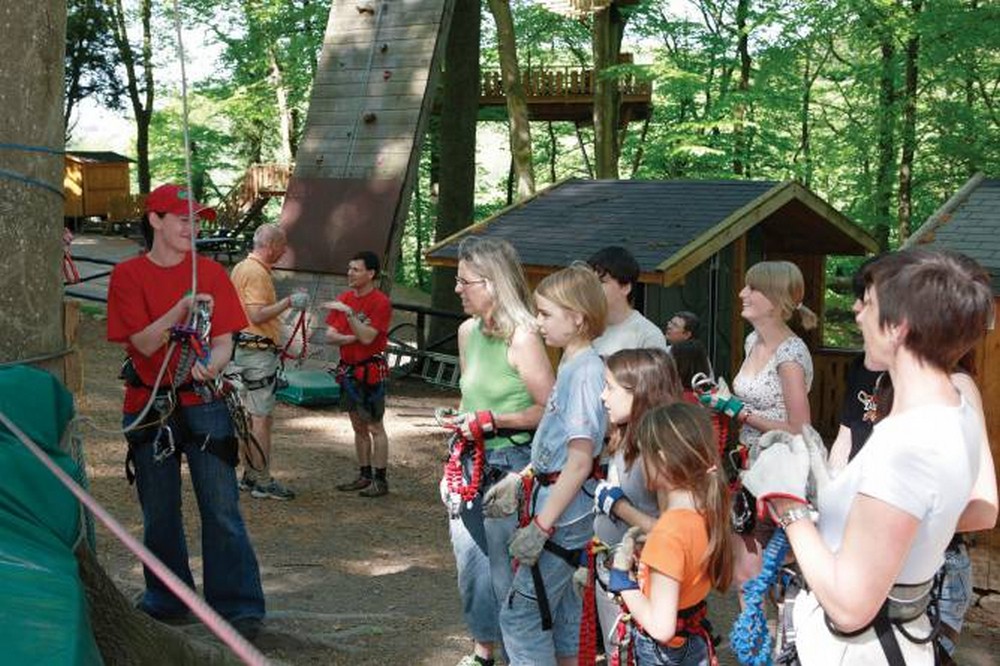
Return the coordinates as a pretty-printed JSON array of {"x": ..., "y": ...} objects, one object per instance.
[
  {"x": 886, "y": 138},
  {"x": 127, "y": 636},
  {"x": 517, "y": 105},
  {"x": 142, "y": 101},
  {"x": 285, "y": 126},
  {"x": 739, "y": 110},
  {"x": 608, "y": 28},
  {"x": 459, "y": 106},
  {"x": 909, "y": 131},
  {"x": 31, "y": 204}
]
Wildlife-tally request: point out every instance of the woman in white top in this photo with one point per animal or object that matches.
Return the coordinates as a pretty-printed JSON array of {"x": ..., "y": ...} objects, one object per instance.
[
  {"x": 886, "y": 519},
  {"x": 773, "y": 382}
]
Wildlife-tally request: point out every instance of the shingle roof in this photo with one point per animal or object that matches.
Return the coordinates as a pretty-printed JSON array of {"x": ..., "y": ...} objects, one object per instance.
[
  {"x": 974, "y": 228},
  {"x": 653, "y": 219}
]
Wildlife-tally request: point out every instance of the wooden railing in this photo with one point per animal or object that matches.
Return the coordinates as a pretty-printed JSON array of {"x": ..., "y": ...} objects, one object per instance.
[
  {"x": 828, "y": 388},
  {"x": 559, "y": 82},
  {"x": 260, "y": 181}
]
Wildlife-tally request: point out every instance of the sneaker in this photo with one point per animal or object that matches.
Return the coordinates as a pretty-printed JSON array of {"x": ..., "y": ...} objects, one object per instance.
[
  {"x": 271, "y": 490},
  {"x": 359, "y": 483},
  {"x": 377, "y": 488},
  {"x": 473, "y": 660},
  {"x": 245, "y": 483}
]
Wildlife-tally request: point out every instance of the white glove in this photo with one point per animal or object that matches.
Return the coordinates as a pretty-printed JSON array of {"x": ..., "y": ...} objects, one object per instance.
[
  {"x": 503, "y": 497},
  {"x": 780, "y": 469},
  {"x": 819, "y": 473},
  {"x": 299, "y": 300}
]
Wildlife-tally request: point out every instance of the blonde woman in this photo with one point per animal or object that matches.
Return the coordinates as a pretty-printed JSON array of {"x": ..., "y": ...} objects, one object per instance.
[
  {"x": 506, "y": 377},
  {"x": 772, "y": 386},
  {"x": 540, "y": 616}
]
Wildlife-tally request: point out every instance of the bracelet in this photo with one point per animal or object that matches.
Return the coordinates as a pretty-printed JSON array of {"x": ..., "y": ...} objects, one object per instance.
[
  {"x": 548, "y": 531},
  {"x": 793, "y": 515}
]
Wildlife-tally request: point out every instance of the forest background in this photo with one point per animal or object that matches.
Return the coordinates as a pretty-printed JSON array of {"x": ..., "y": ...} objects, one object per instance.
[{"x": 883, "y": 107}]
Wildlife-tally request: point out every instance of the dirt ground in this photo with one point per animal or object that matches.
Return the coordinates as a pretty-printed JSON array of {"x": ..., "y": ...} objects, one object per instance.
[{"x": 348, "y": 580}]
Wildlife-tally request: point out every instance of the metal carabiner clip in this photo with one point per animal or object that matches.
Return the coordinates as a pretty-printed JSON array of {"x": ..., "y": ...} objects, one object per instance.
[{"x": 160, "y": 451}]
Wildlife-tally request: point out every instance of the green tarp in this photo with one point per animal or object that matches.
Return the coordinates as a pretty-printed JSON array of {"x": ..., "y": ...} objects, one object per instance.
[{"x": 45, "y": 618}]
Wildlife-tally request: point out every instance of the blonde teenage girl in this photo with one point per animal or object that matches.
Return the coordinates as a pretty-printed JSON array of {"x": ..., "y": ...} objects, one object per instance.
[{"x": 540, "y": 616}]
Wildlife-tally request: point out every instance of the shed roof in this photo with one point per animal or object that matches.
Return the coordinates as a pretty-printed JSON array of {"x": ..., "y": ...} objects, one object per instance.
[
  {"x": 670, "y": 226},
  {"x": 101, "y": 156},
  {"x": 969, "y": 223}
]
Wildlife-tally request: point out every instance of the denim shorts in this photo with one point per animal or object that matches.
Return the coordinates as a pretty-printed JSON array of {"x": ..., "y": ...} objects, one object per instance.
[
  {"x": 956, "y": 592},
  {"x": 694, "y": 651}
]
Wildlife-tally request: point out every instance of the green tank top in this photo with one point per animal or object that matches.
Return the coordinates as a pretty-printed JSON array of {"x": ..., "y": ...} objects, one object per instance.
[{"x": 490, "y": 382}]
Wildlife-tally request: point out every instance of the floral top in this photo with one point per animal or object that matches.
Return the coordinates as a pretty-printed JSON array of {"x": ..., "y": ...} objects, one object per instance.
[{"x": 761, "y": 393}]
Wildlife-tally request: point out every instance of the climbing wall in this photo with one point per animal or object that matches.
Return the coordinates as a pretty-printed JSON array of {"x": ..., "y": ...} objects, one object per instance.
[{"x": 371, "y": 100}]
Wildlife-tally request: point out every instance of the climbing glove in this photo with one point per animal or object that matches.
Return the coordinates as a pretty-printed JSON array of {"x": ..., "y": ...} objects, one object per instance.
[
  {"x": 605, "y": 496},
  {"x": 778, "y": 467},
  {"x": 819, "y": 473},
  {"x": 503, "y": 497},
  {"x": 722, "y": 400},
  {"x": 299, "y": 300},
  {"x": 528, "y": 543},
  {"x": 623, "y": 563}
]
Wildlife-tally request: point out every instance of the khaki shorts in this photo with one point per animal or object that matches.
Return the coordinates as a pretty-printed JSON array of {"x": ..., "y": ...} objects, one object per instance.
[{"x": 253, "y": 366}]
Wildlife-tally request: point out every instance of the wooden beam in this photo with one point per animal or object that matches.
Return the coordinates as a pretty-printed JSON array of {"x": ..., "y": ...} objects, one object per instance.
[{"x": 736, "y": 326}]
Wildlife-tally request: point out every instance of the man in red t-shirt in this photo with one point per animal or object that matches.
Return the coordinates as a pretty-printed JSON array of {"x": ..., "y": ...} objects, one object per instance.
[
  {"x": 150, "y": 299},
  {"x": 359, "y": 324}
]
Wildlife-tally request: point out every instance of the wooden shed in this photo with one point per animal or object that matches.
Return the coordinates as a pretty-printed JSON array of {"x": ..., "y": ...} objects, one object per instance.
[
  {"x": 969, "y": 222},
  {"x": 694, "y": 241},
  {"x": 93, "y": 180}
]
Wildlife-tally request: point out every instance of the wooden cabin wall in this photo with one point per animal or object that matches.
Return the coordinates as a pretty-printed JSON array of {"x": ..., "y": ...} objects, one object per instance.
[
  {"x": 73, "y": 188},
  {"x": 988, "y": 379},
  {"x": 102, "y": 182}
]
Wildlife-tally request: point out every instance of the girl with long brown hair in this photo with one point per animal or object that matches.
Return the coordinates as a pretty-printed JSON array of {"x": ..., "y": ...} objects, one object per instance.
[
  {"x": 689, "y": 551},
  {"x": 634, "y": 381}
]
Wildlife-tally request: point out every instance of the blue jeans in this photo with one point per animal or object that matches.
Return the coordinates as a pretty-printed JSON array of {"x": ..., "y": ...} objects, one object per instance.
[
  {"x": 231, "y": 576},
  {"x": 956, "y": 592},
  {"x": 480, "y": 547},
  {"x": 520, "y": 618},
  {"x": 648, "y": 652}
]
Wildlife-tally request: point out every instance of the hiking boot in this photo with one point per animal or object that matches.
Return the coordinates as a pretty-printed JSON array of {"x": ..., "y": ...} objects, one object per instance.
[
  {"x": 248, "y": 627},
  {"x": 377, "y": 488},
  {"x": 359, "y": 483},
  {"x": 271, "y": 490}
]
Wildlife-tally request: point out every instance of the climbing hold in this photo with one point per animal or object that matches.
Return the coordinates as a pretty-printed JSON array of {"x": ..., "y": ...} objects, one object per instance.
[
  {"x": 369, "y": 117},
  {"x": 319, "y": 160},
  {"x": 386, "y": 75},
  {"x": 384, "y": 48},
  {"x": 366, "y": 8}
]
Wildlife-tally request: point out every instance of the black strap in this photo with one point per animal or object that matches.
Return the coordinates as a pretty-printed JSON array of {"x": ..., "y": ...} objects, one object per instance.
[
  {"x": 541, "y": 597},
  {"x": 883, "y": 629}
]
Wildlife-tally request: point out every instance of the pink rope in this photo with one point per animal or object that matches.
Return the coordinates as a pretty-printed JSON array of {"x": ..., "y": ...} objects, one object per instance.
[{"x": 226, "y": 633}]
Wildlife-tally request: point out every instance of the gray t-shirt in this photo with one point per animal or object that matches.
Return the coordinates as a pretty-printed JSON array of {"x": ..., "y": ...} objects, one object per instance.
[
  {"x": 636, "y": 332},
  {"x": 632, "y": 481}
]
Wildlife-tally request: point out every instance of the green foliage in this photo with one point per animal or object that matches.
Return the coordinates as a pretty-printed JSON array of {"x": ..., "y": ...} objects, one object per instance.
[{"x": 91, "y": 58}]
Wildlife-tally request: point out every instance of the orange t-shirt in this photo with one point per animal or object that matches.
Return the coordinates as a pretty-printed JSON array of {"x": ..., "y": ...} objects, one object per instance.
[
  {"x": 676, "y": 548},
  {"x": 252, "y": 279}
]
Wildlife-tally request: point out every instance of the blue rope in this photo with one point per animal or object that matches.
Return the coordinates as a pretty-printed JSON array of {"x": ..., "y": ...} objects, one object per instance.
[
  {"x": 31, "y": 149},
  {"x": 13, "y": 175},
  {"x": 749, "y": 638}
]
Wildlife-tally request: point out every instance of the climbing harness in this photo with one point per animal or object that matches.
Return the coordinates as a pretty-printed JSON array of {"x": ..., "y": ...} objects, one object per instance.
[
  {"x": 461, "y": 447},
  {"x": 302, "y": 329},
  {"x": 750, "y": 639},
  {"x": 587, "y": 653}
]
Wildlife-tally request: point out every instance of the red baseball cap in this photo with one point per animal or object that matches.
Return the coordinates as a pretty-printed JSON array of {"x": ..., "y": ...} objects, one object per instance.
[{"x": 174, "y": 199}]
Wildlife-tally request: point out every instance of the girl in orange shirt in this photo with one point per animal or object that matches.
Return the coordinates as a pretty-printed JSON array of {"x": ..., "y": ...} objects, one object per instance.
[{"x": 689, "y": 550}]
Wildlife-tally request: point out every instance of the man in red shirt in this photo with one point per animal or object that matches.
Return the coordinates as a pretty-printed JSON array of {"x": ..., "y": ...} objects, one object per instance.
[
  {"x": 359, "y": 324},
  {"x": 171, "y": 409}
]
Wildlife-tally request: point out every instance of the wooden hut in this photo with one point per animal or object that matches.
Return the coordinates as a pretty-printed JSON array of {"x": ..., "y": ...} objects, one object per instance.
[
  {"x": 969, "y": 222},
  {"x": 694, "y": 241},
  {"x": 92, "y": 180}
]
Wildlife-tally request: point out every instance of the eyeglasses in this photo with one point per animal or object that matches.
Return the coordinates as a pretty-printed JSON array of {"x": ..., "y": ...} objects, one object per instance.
[{"x": 463, "y": 283}]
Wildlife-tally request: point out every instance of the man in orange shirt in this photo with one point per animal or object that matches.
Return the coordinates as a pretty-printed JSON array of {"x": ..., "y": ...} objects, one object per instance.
[{"x": 255, "y": 363}]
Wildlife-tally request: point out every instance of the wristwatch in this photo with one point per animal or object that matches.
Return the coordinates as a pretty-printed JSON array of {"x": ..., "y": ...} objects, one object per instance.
[{"x": 794, "y": 514}]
